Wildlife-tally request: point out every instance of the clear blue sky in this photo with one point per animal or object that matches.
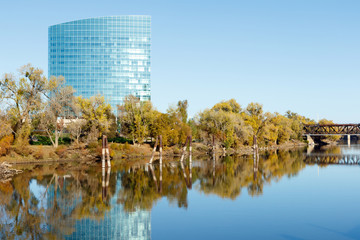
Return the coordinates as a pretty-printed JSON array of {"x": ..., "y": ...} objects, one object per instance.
[{"x": 301, "y": 55}]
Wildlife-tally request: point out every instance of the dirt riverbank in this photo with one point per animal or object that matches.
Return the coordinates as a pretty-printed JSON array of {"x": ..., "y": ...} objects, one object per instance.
[{"x": 46, "y": 154}]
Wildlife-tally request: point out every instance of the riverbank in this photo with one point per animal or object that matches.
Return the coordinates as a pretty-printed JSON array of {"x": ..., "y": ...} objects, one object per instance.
[
  {"x": 47, "y": 154},
  {"x": 33, "y": 154}
]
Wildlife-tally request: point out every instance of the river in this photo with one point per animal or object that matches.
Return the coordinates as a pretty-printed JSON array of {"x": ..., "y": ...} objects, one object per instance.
[{"x": 299, "y": 194}]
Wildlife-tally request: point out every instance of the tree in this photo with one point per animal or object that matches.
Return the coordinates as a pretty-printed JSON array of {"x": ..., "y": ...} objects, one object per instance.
[
  {"x": 23, "y": 96},
  {"x": 297, "y": 123},
  {"x": 280, "y": 128},
  {"x": 139, "y": 120},
  {"x": 97, "y": 114},
  {"x": 75, "y": 128},
  {"x": 228, "y": 106},
  {"x": 169, "y": 125},
  {"x": 5, "y": 126},
  {"x": 255, "y": 117},
  {"x": 59, "y": 106},
  {"x": 224, "y": 123},
  {"x": 135, "y": 118},
  {"x": 6, "y": 138},
  {"x": 195, "y": 131},
  {"x": 182, "y": 108}
]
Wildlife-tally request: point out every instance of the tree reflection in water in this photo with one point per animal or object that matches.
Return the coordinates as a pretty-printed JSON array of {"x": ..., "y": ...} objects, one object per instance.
[{"x": 53, "y": 201}]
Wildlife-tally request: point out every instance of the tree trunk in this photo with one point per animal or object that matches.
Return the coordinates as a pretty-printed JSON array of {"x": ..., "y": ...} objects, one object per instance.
[
  {"x": 56, "y": 138},
  {"x": 50, "y": 138}
]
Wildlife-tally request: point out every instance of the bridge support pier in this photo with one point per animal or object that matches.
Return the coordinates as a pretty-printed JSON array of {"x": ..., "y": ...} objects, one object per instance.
[
  {"x": 310, "y": 140},
  {"x": 348, "y": 139}
]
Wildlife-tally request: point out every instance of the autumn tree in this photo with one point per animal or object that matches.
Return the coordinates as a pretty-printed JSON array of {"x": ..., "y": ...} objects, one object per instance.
[
  {"x": 297, "y": 124},
  {"x": 6, "y": 138},
  {"x": 173, "y": 125},
  {"x": 173, "y": 130},
  {"x": 75, "y": 128},
  {"x": 228, "y": 106},
  {"x": 97, "y": 114},
  {"x": 24, "y": 96},
  {"x": 5, "y": 126},
  {"x": 258, "y": 120},
  {"x": 135, "y": 118},
  {"x": 224, "y": 123},
  {"x": 60, "y": 104},
  {"x": 182, "y": 109},
  {"x": 279, "y": 129},
  {"x": 195, "y": 130}
]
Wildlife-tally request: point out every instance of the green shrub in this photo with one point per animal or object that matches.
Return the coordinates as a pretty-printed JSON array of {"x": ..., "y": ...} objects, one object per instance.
[
  {"x": 40, "y": 140},
  {"x": 120, "y": 140},
  {"x": 45, "y": 140},
  {"x": 65, "y": 141}
]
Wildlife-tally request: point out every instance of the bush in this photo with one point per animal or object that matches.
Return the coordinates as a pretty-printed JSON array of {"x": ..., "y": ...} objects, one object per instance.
[
  {"x": 116, "y": 150},
  {"x": 75, "y": 156},
  {"x": 176, "y": 150},
  {"x": 112, "y": 153},
  {"x": 60, "y": 151},
  {"x": 52, "y": 155},
  {"x": 39, "y": 154},
  {"x": 116, "y": 147},
  {"x": 5, "y": 144},
  {"x": 120, "y": 140},
  {"x": 93, "y": 145},
  {"x": 126, "y": 146},
  {"x": 65, "y": 141},
  {"x": 45, "y": 140},
  {"x": 22, "y": 150},
  {"x": 40, "y": 140},
  {"x": 98, "y": 151}
]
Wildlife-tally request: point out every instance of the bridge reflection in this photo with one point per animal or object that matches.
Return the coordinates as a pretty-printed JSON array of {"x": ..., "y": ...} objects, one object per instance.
[{"x": 328, "y": 158}]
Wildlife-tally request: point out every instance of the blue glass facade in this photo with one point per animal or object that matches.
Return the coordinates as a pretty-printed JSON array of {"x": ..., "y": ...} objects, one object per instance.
[{"x": 105, "y": 55}]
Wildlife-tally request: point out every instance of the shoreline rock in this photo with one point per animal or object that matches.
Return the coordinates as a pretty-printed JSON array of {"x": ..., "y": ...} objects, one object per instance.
[{"x": 6, "y": 172}]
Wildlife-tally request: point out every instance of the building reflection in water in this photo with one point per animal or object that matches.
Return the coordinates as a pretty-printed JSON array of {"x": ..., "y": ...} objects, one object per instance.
[{"x": 114, "y": 223}]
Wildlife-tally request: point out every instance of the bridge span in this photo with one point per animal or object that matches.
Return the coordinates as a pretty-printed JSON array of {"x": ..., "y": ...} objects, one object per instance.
[{"x": 331, "y": 129}]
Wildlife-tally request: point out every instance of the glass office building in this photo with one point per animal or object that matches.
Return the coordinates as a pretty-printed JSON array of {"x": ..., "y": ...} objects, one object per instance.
[{"x": 105, "y": 55}]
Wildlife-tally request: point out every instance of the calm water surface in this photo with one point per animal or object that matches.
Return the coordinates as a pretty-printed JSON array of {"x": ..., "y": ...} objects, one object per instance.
[{"x": 303, "y": 194}]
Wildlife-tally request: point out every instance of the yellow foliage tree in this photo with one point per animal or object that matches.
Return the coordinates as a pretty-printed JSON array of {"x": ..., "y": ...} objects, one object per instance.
[{"x": 97, "y": 113}]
